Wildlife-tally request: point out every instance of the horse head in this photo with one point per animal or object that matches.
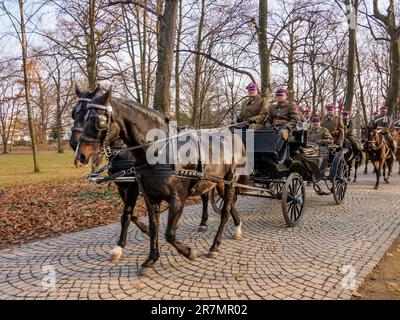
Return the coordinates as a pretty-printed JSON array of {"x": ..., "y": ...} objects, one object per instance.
[
  {"x": 99, "y": 128},
  {"x": 78, "y": 113},
  {"x": 374, "y": 138}
]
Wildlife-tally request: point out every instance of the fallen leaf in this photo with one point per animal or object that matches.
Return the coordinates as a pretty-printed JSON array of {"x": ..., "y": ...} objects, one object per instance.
[
  {"x": 356, "y": 294},
  {"x": 392, "y": 286},
  {"x": 239, "y": 274}
]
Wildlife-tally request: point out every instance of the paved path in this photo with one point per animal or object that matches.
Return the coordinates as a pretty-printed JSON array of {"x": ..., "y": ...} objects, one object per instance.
[{"x": 325, "y": 257}]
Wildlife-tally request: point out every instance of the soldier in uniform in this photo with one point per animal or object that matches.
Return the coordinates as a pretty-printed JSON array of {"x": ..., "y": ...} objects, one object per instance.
[
  {"x": 375, "y": 116},
  {"x": 334, "y": 124},
  {"x": 348, "y": 125},
  {"x": 305, "y": 118},
  {"x": 384, "y": 122},
  {"x": 396, "y": 123},
  {"x": 254, "y": 109},
  {"x": 283, "y": 114},
  {"x": 318, "y": 134}
]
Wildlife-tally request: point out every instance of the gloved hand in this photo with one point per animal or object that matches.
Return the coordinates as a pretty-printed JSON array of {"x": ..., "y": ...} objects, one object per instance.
[
  {"x": 251, "y": 120},
  {"x": 284, "y": 133}
]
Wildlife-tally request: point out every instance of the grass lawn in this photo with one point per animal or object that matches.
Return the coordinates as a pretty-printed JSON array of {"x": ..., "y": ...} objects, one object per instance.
[{"x": 17, "y": 169}]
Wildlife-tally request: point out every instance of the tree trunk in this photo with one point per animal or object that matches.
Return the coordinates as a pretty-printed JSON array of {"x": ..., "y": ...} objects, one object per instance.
[
  {"x": 198, "y": 66},
  {"x": 165, "y": 54},
  {"x": 131, "y": 50},
  {"x": 91, "y": 60},
  {"x": 264, "y": 54},
  {"x": 177, "y": 67},
  {"x": 58, "y": 129},
  {"x": 393, "y": 31},
  {"x": 27, "y": 86},
  {"x": 393, "y": 95},
  {"x": 351, "y": 57},
  {"x": 360, "y": 85}
]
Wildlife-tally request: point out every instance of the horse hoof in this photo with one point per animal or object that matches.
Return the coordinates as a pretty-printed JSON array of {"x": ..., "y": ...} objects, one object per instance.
[
  {"x": 202, "y": 229},
  {"x": 355, "y": 180},
  {"x": 238, "y": 236},
  {"x": 193, "y": 254},
  {"x": 376, "y": 187},
  {"x": 146, "y": 271},
  {"x": 116, "y": 253},
  {"x": 212, "y": 254}
]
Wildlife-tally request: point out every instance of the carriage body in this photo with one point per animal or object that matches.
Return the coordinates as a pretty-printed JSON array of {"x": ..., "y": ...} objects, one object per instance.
[{"x": 281, "y": 168}]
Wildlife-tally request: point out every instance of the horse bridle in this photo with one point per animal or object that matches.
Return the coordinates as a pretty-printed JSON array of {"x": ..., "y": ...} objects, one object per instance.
[
  {"x": 104, "y": 122},
  {"x": 76, "y": 128},
  {"x": 374, "y": 141}
]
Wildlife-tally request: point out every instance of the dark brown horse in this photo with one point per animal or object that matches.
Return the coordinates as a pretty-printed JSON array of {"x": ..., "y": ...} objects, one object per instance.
[
  {"x": 364, "y": 145},
  {"x": 132, "y": 122},
  {"x": 129, "y": 191},
  {"x": 396, "y": 137},
  {"x": 379, "y": 154}
]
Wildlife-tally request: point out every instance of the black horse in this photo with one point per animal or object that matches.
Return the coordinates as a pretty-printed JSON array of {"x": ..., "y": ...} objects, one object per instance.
[
  {"x": 351, "y": 156},
  {"x": 129, "y": 191},
  {"x": 109, "y": 118}
]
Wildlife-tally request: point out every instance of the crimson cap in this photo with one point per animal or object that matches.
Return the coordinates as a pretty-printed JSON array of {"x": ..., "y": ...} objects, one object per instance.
[
  {"x": 252, "y": 86},
  {"x": 315, "y": 118},
  {"x": 281, "y": 91}
]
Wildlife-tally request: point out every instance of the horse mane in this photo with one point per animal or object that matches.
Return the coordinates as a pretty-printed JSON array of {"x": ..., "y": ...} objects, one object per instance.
[{"x": 151, "y": 114}]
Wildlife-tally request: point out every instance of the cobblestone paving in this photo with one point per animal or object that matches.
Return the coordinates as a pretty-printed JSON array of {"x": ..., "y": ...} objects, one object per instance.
[{"x": 333, "y": 246}]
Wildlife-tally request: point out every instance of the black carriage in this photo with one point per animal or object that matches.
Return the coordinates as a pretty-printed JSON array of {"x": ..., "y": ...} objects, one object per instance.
[{"x": 282, "y": 168}]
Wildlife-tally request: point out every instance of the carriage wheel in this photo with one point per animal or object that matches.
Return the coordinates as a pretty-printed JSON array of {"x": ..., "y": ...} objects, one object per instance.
[
  {"x": 217, "y": 201},
  {"x": 293, "y": 199},
  {"x": 339, "y": 182}
]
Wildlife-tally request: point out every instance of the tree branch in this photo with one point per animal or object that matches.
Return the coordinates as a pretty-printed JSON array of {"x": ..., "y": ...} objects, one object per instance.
[
  {"x": 136, "y": 3},
  {"x": 209, "y": 57}
]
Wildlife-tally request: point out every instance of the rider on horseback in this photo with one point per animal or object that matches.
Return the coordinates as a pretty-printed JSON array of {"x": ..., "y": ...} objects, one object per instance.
[
  {"x": 384, "y": 122},
  {"x": 348, "y": 125},
  {"x": 396, "y": 124},
  {"x": 334, "y": 124},
  {"x": 255, "y": 108}
]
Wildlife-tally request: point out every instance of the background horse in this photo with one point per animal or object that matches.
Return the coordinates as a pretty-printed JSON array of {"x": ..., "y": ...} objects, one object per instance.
[
  {"x": 352, "y": 156},
  {"x": 380, "y": 155},
  {"x": 364, "y": 146},
  {"x": 396, "y": 137},
  {"x": 132, "y": 121}
]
